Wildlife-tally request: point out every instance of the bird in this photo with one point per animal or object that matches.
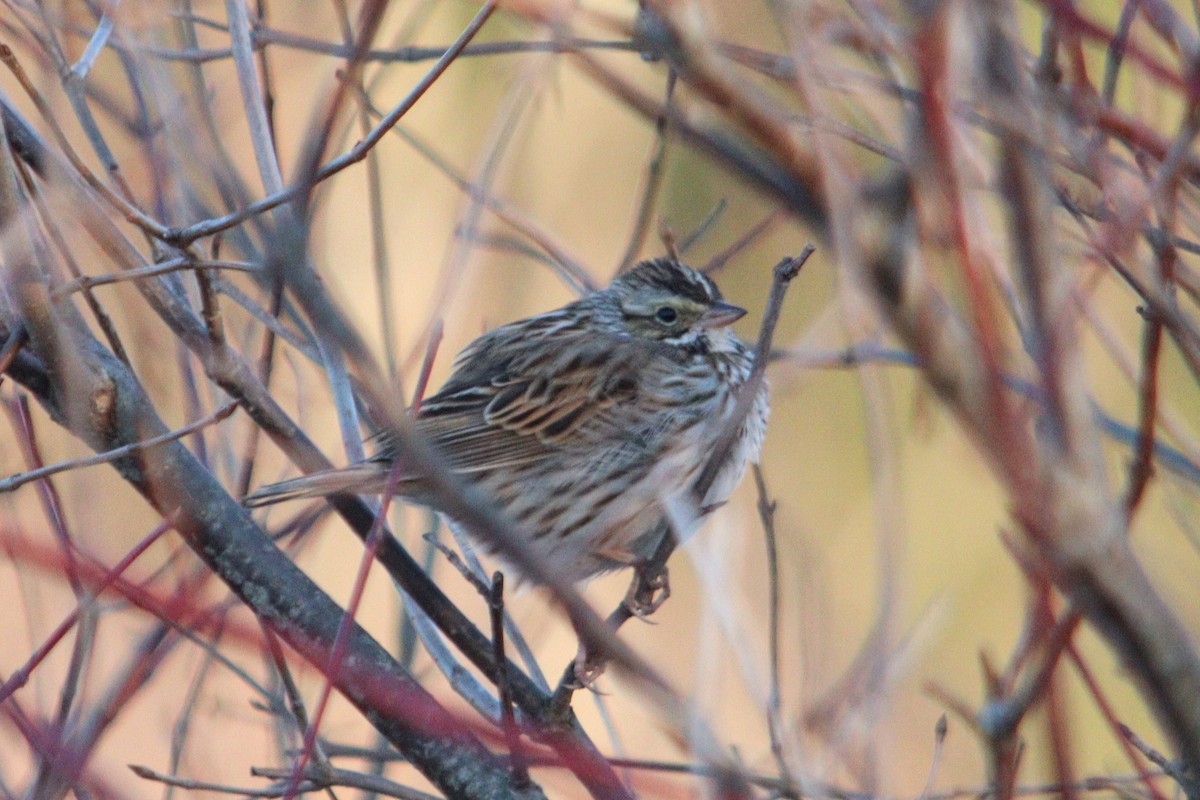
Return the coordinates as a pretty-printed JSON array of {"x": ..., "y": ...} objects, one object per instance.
[{"x": 585, "y": 424}]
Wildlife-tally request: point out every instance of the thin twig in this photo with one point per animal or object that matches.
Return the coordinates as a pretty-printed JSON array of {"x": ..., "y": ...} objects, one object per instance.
[
  {"x": 939, "y": 742},
  {"x": 654, "y": 177},
  {"x": 84, "y": 282},
  {"x": 129, "y": 211},
  {"x": 816, "y": 789},
  {"x": 252, "y": 99},
  {"x": 1110, "y": 718},
  {"x": 341, "y": 639},
  {"x": 431, "y": 349},
  {"x": 567, "y": 266},
  {"x": 1179, "y": 772},
  {"x": 718, "y": 262},
  {"x": 354, "y": 155},
  {"x": 353, "y": 780},
  {"x": 512, "y": 734},
  {"x": 264, "y": 36},
  {"x": 1116, "y": 50},
  {"x": 22, "y": 478},
  {"x": 766, "y": 515}
]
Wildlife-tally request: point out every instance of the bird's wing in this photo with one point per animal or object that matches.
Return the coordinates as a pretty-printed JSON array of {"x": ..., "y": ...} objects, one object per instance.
[{"x": 523, "y": 402}]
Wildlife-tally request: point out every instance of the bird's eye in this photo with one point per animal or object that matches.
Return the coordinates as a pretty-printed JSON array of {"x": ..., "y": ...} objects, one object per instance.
[{"x": 666, "y": 315}]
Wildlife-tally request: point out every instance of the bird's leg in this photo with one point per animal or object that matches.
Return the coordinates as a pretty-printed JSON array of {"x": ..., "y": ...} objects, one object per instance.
[{"x": 650, "y": 587}]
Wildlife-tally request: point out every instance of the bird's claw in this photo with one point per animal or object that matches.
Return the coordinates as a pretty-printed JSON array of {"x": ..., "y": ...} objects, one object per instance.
[
  {"x": 587, "y": 670},
  {"x": 648, "y": 592}
]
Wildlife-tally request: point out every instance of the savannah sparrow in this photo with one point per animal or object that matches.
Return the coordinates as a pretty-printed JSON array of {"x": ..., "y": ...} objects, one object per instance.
[{"x": 583, "y": 424}]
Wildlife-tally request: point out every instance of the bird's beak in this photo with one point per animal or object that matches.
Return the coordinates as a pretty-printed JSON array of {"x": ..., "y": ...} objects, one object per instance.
[{"x": 721, "y": 314}]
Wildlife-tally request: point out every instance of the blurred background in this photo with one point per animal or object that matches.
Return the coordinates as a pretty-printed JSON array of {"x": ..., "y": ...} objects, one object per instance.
[{"x": 896, "y": 581}]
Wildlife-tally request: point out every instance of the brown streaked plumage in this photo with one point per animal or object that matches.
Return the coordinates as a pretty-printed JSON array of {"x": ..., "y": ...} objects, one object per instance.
[{"x": 584, "y": 422}]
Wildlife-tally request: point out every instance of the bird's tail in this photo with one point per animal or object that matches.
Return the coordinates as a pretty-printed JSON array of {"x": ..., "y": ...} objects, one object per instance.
[{"x": 365, "y": 478}]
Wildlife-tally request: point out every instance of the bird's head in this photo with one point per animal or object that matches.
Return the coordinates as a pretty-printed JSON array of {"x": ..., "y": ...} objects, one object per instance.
[{"x": 670, "y": 302}]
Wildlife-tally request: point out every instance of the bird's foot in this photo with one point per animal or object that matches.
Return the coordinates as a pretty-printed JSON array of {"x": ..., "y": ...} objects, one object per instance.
[
  {"x": 587, "y": 670},
  {"x": 648, "y": 591}
]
